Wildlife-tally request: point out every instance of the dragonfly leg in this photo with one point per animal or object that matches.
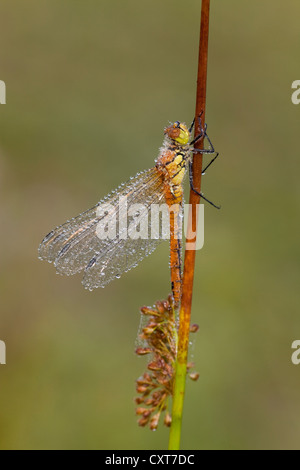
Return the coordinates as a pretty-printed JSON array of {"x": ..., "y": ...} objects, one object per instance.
[
  {"x": 197, "y": 192},
  {"x": 193, "y": 123},
  {"x": 207, "y": 166},
  {"x": 205, "y": 136},
  {"x": 210, "y": 150},
  {"x": 192, "y": 126}
]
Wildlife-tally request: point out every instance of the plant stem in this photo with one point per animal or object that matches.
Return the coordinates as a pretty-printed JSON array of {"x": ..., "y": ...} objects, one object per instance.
[{"x": 189, "y": 261}]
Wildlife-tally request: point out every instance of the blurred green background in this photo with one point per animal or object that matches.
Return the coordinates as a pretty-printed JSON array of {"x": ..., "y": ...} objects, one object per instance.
[{"x": 90, "y": 87}]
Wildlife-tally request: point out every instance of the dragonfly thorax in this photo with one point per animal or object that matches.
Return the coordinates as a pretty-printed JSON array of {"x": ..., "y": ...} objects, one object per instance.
[{"x": 172, "y": 160}]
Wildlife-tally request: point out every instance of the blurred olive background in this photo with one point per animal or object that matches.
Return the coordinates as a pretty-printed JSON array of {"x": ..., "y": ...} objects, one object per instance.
[{"x": 90, "y": 87}]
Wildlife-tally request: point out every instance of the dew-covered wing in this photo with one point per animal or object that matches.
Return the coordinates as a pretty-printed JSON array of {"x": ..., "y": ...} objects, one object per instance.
[{"x": 79, "y": 244}]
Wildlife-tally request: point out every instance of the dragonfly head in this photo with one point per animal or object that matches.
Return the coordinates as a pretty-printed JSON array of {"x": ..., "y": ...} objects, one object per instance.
[{"x": 178, "y": 132}]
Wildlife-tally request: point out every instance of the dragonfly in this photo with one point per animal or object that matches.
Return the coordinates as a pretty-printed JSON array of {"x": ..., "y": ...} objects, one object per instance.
[{"x": 76, "y": 245}]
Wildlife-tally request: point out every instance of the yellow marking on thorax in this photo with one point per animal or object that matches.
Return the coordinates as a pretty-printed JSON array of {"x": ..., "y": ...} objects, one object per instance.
[
  {"x": 176, "y": 171},
  {"x": 172, "y": 166}
]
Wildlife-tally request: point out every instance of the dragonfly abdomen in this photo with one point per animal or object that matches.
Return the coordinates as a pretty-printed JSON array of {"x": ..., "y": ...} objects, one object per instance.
[{"x": 172, "y": 165}]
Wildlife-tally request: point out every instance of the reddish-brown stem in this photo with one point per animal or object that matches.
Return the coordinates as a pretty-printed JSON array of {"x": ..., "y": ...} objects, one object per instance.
[{"x": 190, "y": 255}]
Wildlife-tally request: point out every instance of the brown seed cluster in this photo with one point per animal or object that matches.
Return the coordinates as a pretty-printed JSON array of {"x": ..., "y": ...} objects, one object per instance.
[{"x": 156, "y": 385}]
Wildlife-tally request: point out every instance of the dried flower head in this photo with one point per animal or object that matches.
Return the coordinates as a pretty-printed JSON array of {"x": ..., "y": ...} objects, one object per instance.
[
  {"x": 194, "y": 376},
  {"x": 156, "y": 385},
  {"x": 194, "y": 328}
]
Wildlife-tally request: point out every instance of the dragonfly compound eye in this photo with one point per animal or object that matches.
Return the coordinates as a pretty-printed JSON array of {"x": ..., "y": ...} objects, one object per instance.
[{"x": 178, "y": 132}]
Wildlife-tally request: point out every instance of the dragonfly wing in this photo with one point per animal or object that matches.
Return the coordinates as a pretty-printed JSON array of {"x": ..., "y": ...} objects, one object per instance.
[
  {"x": 76, "y": 245},
  {"x": 66, "y": 236},
  {"x": 122, "y": 254}
]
